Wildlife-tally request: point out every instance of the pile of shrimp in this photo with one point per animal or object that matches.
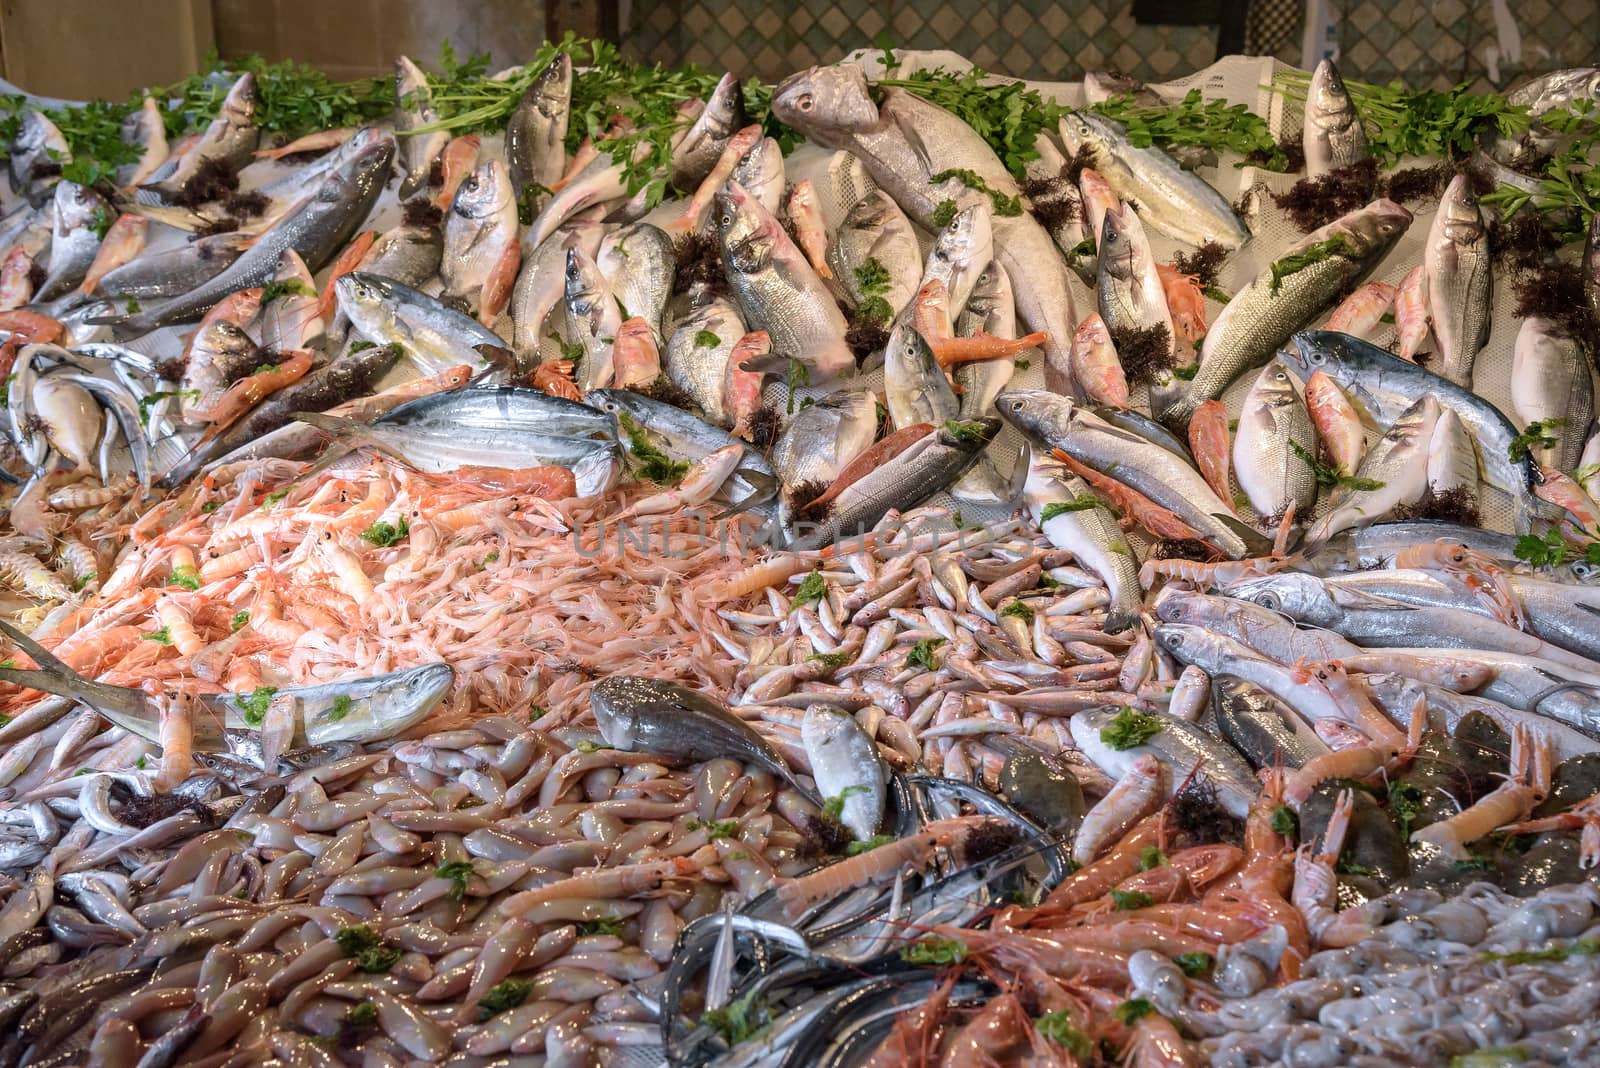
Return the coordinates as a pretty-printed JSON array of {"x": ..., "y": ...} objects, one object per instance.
[{"x": 265, "y": 574}]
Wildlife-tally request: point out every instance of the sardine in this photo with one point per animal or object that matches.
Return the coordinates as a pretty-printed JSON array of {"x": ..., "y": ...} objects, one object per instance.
[{"x": 1460, "y": 281}]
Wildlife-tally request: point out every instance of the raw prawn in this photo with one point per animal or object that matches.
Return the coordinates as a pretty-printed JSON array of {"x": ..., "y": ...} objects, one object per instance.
[{"x": 1510, "y": 802}]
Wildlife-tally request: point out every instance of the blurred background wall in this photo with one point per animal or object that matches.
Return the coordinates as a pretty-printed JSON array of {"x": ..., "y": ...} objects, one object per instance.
[{"x": 80, "y": 48}]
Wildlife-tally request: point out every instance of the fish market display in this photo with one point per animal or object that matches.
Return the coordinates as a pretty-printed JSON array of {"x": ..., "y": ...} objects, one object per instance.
[{"x": 592, "y": 564}]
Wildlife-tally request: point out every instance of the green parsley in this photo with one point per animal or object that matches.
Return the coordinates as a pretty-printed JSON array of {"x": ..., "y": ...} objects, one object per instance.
[
  {"x": 163, "y": 636},
  {"x": 1194, "y": 964},
  {"x": 1350, "y": 867},
  {"x": 383, "y": 534},
  {"x": 1582, "y": 947},
  {"x": 1022, "y": 365},
  {"x": 655, "y": 465},
  {"x": 721, "y": 829},
  {"x": 210, "y": 506},
  {"x": 339, "y": 709},
  {"x": 362, "y": 1014},
  {"x": 831, "y": 661},
  {"x": 1151, "y": 857},
  {"x": 285, "y": 287},
  {"x": 1284, "y": 822},
  {"x": 605, "y": 925},
  {"x": 149, "y": 401},
  {"x": 140, "y": 763},
  {"x": 585, "y": 746},
  {"x": 273, "y": 498},
  {"x": 1128, "y": 900},
  {"x": 9, "y": 664},
  {"x": 1535, "y": 437},
  {"x": 1008, "y": 115},
  {"x": 874, "y": 281},
  {"x": 706, "y": 339},
  {"x": 1133, "y": 1009},
  {"x": 362, "y": 345},
  {"x": 253, "y": 706},
  {"x": 361, "y": 944},
  {"x": 184, "y": 576},
  {"x": 1186, "y": 372},
  {"x": 1058, "y": 1027},
  {"x": 504, "y": 996},
  {"x": 855, "y": 849},
  {"x": 458, "y": 872},
  {"x": 738, "y": 1020},
  {"x": 1331, "y": 476},
  {"x": 1405, "y": 805},
  {"x": 1489, "y": 1057},
  {"x": 1019, "y": 610},
  {"x": 964, "y": 431},
  {"x": 935, "y": 951},
  {"x": 922, "y": 654},
  {"x": 943, "y": 214},
  {"x": 812, "y": 589},
  {"x": 1195, "y": 122},
  {"x": 833, "y": 807},
  {"x": 1130, "y": 729},
  {"x": 799, "y": 375},
  {"x": 1082, "y": 249},
  {"x": 1083, "y": 502},
  {"x": 1003, "y": 205},
  {"x": 876, "y": 310},
  {"x": 132, "y": 307},
  {"x": 1475, "y": 864},
  {"x": 1310, "y": 256},
  {"x": 241, "y": 619},
  {"x": 489, "y": 559}
]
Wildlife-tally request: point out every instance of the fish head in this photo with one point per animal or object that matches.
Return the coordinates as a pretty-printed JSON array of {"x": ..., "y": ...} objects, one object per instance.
[
  {"x": 1332, "y": 353},
  {"x": 1381, "y": 223},
  {"x": 871, "y": 213},
  {"x": 967, "y": 243},
  {"x": 364, "y": 297},
  {"x": 1459, "y": 217},
  {"x": 1082, "y": 131},
  {"x": 761, "y": 162},
  {"x": 724, "y": 109},
  {"x": 749, "y": 233},
  {"x": 1116, "y": 242},
  {"x": 1035, "y": 412},
  {"x": 1184, "y": 642},
  {"x": 408, "y": 78},
  {"x": 1177, "y": 605},
  {"x": 619, "y": 703},
  {"x": 990, "y": 291},
  {"x": 484, "y": 192},
  {"x": 1327, "y": 102},
  {"x": 551, "y": 92},
  {"x": 583, "y": 279},
  {"x": 358, "y": 172},
  {"x": 1303, "y": 598},
  {"x": 240, "y": 104},
  {"x": 224, "y": 342},
  {"x": 1275, "y": 386},
  {"x": 78, "y": 206},
  {"x": 37, "y": 133},
  {"x": 826, "y": 103},
  {"x": 1414, "y": 425}
]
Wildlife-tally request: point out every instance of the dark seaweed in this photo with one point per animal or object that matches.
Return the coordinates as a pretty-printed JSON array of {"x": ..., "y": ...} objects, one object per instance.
[
  {"x": 1198, "y": 817},
  {"x": 1076, "y": 163},
  {"x": 1416, "y": 184},
  {"x": 213, "y": 179},
  {"x": 1521, "y": 243},
  {"x": 1205, "y": 263},
  {"x": 436, "y": 172},
  {"x": 225, "y": 225},
  {"x": 801, "y": 496},
  {"x": 699, "y": 264},
  {"x": 1556, "y": 293},
  {"x": 1294, "y": 153},
  {"x": 665, "y": 390},
  {"x": 172, "y": 368},
  {"x": 1452, "y": 506},
  {"x": 1144, "y": 351},
  {"x": 418, "y": 212},
  {"x": 36, "y": 275},
  {"x": 1181, "y": 549},
  {"x": 1314, "y": 202},
  {"x": 764, "y": 427},
  {"x": 1051, "y": 206},
  {"x": 249, "y": 205},
  {"x": 864, "y": 336}
]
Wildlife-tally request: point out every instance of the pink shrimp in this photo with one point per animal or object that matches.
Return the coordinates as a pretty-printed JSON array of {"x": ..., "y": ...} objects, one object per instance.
[
  {"x": 1212, "y": 449},
  {"x": 555, "y": 378},
  {"x": 1585, "y": 815},
  {"x": 1484, "y": 578},
  {"x": 1361, "y": 312},
  {"x": 177, "y": 739},
  {"x": 1186, "y": 300},
  {"x": 1316, "y": 887},
  {"x": 1095, "y": 366},
  {"x": 631, "y": 880},
  {"x": 252, "y": 389},
  {"x": 175, "y": 621},
  {"x": 1510, "y": 802}
]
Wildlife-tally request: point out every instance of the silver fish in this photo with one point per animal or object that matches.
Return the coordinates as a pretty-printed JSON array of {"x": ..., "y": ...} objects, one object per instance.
[
  {"x": 1551, "y": 385},
  {"x": 1460, "y": 281},
  {"x": 960, "y": 251},
  {"x": 914, "y": 384},
  {"x": 1453, "y": 461},
  {"x": 541, "y": 285},
  {"x": 82, "y": 217},
  {"x": 639, "y": 264},
  {"x": 845, "y": 765},
  {"x": 480, "y": 232},
  {"x": 1090, "y": 534},
  {"x": 760, "y": 173},
  {"x": 1260, "y": 726},
  {"x": 776, "y": 288},
  {"x": 721, "y": 118},
  {"x": 536, "y": 132},
  {"x": 144, "y": 129},
  {"x": 1265, "y": 313},
  {"x": 697, "y": 364},
  {"x": 434, "y": 336},
  {"x": 1333, "y": 135},
  {"x": 822, "y": 438},
  {"x": 592, "y": 319},
  {"x": 174, "y": 271},
  {"x": 1393, "y": 473},
  {"x": 876, "y": 231},
  {"x": 36, "y": 157},
  {"x": 1169, "y": 198},
  {"x": 1181, "y": 746},
  {"x": 409, "y": 254},
  {"x": 1275, "y": 444},
  {"x": 1056, "y": 423},
  {"x": 413, "y": 108},
  {"x": 1129, "y": 292},
  {"x": 991, "y": 309},
  {"x": 229, "y": 140}
]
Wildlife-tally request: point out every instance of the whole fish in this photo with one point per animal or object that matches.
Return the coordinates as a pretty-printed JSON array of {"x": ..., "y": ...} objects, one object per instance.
[
  {"x": 1275, "y": 445},
  {"x": 1261, "y": 727},
  {"x": 1089, "y": 531},
  {"x": 1394, "y": 473},
  {"x": 1397, "y": 695},
  {"x": 434, "y": 336},
  {"x": 1568, "y": 88},
  {"x": 638, "y": 262},
  {"x": 822, "y": 438},
  {"x": 1366, "y": 548},
  {"x": 409, "y": 254},
  {"x": 413, "y": 108},
  {"x": 541, "y": 286},
  {"x": 289, "y": 316},
  {"x": 315, "y": 229},
  {"x": 174, "y": 271},
  {"x": 929, "y": 465},
  {"x": 1453, "y": 461},
  {"x": 914, "y": 385},
  {"x": 776, "y": 289},
  {"x": 654, "y": 716},
  {"x": 592, "y": 319},
  {"x": 123, "y": 242},
  {"x": 904, "y": 142},
  {"x": 81, "y": 221},
  {"x": 144, "y": 129},
  {"x": 760, "y": 173},
  {"x": 228, "y": 141},
  {"x": 1169, "y": 198},
  {"x": 481, "y": 252},
  {"x": 874, "y": 254},
  {"x": 1095, "y": 366},
  {"x": 845, "y": 765},
  {"x": 637, "y": 359},
  {"x": 810, "y": 229},
  {"x": 1386, "y": 386},
  {"x": 1333, "y": 135},
  {"x": 1413, "y": 325},
  {"x": 722, "y": 117},
  {"x": 1131, "y": 298},
  {"x": 1098, "y": 198},
  {"x": 960, "y": 251},
  {"x": 36, "y": 156},
  {"x": 991, "y": 310},
  {"x": 697, "y": 355},
  {"x": 71, "y": 417},
  {"x": 536, "y": 132},
  {"x": 1265, "y": 313},
  {"x": 599, "y": 182},
  {"x": 1181, "y": 746},
  {"x": 1056, "y": 423},
  {"x": 220, "y": 354},
  {"x": 1338, "y": 425},
  {"x": 1460, "y": 281},
  {"x": 1551, "y": 385}
]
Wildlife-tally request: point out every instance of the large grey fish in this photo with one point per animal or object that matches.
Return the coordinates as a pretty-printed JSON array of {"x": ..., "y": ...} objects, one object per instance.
[
  {"x": 1460, "y": 281},
  {"x": 436, "y": 337},
  {"x": 639, "y": 263},
  {"x": 1394, "y": 473},
  {"x": 874, "y": 255},
  {"x": 929, "y": 465},
  {"x": 1556, "y": 690},
  {"x": 1129, "y": 293},
  {"x": 1260, "y": 726},
  {"x": 904, "y": 141},
  {"x": 1181, "y": 746},
  {"x": 991, "y": 309},
  {"x": 914, "y": 384},
  {"x": 643, "y": 715},
  {"x": 1169, "y": 198},
  {"x": 505, "y": 407},
  {"x": 316, "y": 229},
  {"x": 174, "y": 271},
  {"x": 819, "y": 441},
  {"x": 228, "y": 141},
  {"x": 1275, "y": 444},
  {"x": 413, "y": 108},
  {"x": 1333, "y": 136},
  {"x": 1366, "y": 548},
  {"x": 536, "y": 132},
  {"x": 480, "y": 235},
  {"x": 760, "y": 173},
  {"x": 82, "y": 218},
  {"x": 1566, "y": 89},
  {"x": 960, "y": 251},
  {"x": 1056, "y": 423},
  {"x": 541, "y": 285},
  {"x": 145, "y": 130},
  {"x": 1089, "y": 533},
  {"x": 377, "y": 707},
  {"x": 1386, "y": 386},
  {"x": 845, "y": 765},
  {"x": 1265, "y": 313},
  {"x": 592, "y": 319},
  {"x": 722, "y": 117},
  {"x": 409, "y": 254},
  {"x": 36, "y": 156},
  {"x": 353, "y": 373},
  {"x": 697, "y": 355},
  {"x": 776, "y": 288},
  {"x": 683, "y": 436},
  {"x": 1397, "y": 695},
  {"x": 1551, "y": 385}
]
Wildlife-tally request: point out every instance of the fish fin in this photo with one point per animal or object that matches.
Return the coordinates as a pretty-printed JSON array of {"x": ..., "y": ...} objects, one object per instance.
[
  {"x": 914, "y": 138},
  {"x": 48, "y": 662},
  {"x": 770, "y": 364},
  {"x": 1361, "y": 600},
  {"x": 750, "y": 500},
  {"x": 1256, "y": 542}
]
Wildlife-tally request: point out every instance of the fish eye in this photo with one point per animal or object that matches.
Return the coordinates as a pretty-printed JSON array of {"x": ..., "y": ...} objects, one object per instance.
[
  {"x": 1316, "y": 358},
  {"x": 1268, "y": 601},
  {"x": 726, "y": 220},
  {"x": 805, "y": 102}
]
